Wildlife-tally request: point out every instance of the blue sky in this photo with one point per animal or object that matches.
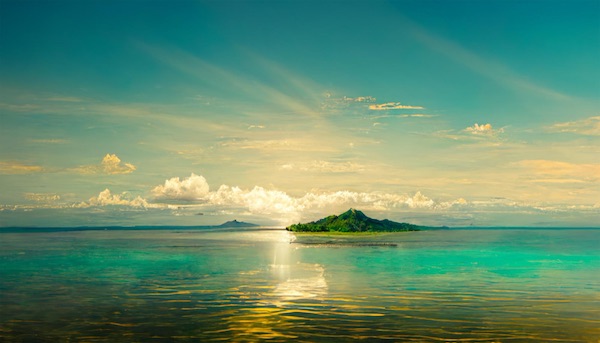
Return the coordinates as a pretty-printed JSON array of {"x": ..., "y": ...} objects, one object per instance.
[{"x": 435, "y": 112}]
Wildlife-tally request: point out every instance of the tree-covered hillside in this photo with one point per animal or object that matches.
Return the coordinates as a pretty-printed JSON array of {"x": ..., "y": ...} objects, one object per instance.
[{"x": 352, "y": 221}]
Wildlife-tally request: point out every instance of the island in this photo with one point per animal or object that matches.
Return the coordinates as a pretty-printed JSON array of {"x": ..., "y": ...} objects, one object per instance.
[
  {"x": 235, "y": 223},
  {"x": 352, "y": 221}
]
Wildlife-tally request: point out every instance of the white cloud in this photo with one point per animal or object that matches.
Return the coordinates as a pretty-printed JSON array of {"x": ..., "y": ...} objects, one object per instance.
[
  {"x": 483, "y": 129},
  {"x": 258, "y": 200},
  {"x": 110, "y": 164},
  {"x": 588, "y": 126},
  {"x": 194, "y": 187},
  {"x": 280, "y": 205},
  {"x": 419, "y": 201},
  {"x": 393, "y": 106},
  {"x": 106, "y": 198}
]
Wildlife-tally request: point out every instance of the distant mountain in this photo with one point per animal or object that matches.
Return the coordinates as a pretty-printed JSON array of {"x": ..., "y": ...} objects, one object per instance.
[
  {"x": 235, "y": 223},
  {"x": 352, "y": 221}
]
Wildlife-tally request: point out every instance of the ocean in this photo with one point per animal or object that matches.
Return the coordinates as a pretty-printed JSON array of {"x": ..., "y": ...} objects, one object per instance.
[{"x": 252, "y": 285}]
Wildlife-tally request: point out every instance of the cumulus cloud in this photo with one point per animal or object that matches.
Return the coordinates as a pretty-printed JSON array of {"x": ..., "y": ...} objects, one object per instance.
[
  {"x": 106, "y": 198},
  {"x": 258, "y": 200},
  {"x": 393, "y": 106},
  {"x": 483, "y": 129},
  {"x": 279, "y": 204},
  {"x": 419, "y": 201},
  {"x": 588, "y": 126},
  {"x": 110, "y": 164},
  {"x": 18, "y": 168},
  {"x": 193, "y": 187}
]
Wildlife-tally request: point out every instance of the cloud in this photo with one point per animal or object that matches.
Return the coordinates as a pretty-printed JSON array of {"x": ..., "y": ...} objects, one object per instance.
[
  {"x": 258, "y": 200},
  {"x": 325, "y": 167},
  {"x": 284, "y": 207},
  {"x": 42, "y": 197},
  {"x": 271, "y": 145},
  {"x": 481, "y": 65},
  {"x": 411, "y": 115},
  {"x": 588, "y": 126},
  {"x": 547, "y": 171},
  {"x": 367, "y": 98},
  {"x": 106, "y": 198},
  {"x": 10, "y": 167},
  {"x": 475, "y": 133},
  {"x": 394, "y": 106},
  {"x": 239, "y": 85},
  {"x": 419, "y": 201},
  {"x": 483, "y": 129},
  {"x": 110, "y": 164},
  {"x": 49, "y": 141},
  {"x": 65, "y": 99},
  {"x": 194, "y": 187}
]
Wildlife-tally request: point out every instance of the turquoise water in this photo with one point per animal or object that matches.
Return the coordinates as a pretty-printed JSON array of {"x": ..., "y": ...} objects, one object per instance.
[{"x": 254, "y": 285}]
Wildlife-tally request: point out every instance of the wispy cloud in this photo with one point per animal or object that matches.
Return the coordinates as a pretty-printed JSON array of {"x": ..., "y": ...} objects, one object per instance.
[
  {"x": 65, "y": 99},
  {"x": 319, "y": 166},
  {"x": 271, "y": 145},
  {"x": 236, "y": 83},
  {"x": 475, "y": 133},
  {"x": 359, "y": 99},
  {"x": 587, "y": 126},
  {"x": 49, "y": 141},
  {"x": 487, "y": 67},
  {"x": 110, "y": 164},
  {"x": 410, "y": 115},
  {"x": 393, "y": 106},
  {"x": 13, "y": 167},
  {"x": 548, "y": 171},
  {"x": 42, "y": 197}
]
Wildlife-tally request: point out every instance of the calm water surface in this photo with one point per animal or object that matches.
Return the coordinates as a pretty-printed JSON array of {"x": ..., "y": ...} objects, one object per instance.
[{"x": 247, "y": 286}]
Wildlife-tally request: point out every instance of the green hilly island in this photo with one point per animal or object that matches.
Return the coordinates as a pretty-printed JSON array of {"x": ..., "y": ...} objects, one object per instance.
[{"x": 352, "y": 221}]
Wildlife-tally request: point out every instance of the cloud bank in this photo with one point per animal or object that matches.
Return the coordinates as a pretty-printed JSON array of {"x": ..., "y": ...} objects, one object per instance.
[{"x": 262, "y": 201}]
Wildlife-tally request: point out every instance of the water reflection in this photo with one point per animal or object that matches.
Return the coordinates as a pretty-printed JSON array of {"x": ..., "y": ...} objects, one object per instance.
[{"x": 273, "y": 314}]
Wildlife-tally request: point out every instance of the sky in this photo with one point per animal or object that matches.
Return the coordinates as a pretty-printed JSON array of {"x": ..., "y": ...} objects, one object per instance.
[{"x": 456, "y": 113}]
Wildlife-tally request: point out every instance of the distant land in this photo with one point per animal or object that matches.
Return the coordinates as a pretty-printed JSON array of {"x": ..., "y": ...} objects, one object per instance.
[
  {"x": 353, "y": 221},
  {"x": 235, "y": 223},
  {"x": 229, "y": 224}
]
